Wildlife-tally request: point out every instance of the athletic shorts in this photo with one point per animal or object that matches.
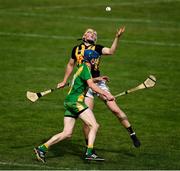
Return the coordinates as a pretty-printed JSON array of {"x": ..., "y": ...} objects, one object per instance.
[
  {"x": 74, "y": 109},
  {"x": 101, "y": 84}
]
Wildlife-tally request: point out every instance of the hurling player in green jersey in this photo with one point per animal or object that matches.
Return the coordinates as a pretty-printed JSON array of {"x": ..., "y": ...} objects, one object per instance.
[
  {"x": 89, "y": 40},
  {"x": 76, "y": 108}
]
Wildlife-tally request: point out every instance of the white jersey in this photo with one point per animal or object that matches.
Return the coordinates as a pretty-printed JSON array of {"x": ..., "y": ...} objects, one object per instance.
[{"x": 101, "y": 84}]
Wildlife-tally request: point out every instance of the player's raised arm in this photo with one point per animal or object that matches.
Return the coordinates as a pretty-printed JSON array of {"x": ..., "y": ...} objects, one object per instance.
[
  {"x": 69, "y": 69},
  {"x": 112, "y": 49}
]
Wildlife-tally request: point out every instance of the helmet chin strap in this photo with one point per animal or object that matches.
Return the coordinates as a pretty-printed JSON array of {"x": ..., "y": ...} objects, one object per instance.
[{"x": 87, "y": 41}]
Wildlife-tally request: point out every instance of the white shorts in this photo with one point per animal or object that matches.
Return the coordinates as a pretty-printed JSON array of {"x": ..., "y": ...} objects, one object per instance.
[{"x": 101, "y": 84}]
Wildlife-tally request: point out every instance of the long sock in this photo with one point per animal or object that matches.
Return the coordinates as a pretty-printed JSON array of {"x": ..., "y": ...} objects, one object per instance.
[
  {"x": 86, "y": 141},
  {"x": 43, "y": 147},
  {"x": 130, "y": 130},
  {"x": 90, "y": 149}
]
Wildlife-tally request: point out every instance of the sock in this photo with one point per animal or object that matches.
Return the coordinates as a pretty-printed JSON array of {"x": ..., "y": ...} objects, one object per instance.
[
  {"x": 130, "y": 130},
  {"x": 43, "y": 147},
  {"x": 86, "y": 141},
  {"x": 89, "y": 149}
]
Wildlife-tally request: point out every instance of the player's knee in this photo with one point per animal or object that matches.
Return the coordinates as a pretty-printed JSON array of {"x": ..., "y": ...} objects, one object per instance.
[
  {"x": 116, "y": 112},
  {"x": 85, "y": 126},
  {"x": 124, "y": 118},
  {"x": 96, "y": 126},
  {"x": 120, "y": 115}
]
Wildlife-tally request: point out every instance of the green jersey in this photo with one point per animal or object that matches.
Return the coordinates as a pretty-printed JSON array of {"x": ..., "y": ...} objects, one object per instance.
[{"x": 79, "y": 85}]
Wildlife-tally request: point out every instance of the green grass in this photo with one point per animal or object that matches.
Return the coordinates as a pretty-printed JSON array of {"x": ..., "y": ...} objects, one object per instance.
[{"x": 36, "y": 38}]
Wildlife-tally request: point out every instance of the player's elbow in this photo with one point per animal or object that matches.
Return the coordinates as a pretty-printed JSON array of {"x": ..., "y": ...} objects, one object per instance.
[
  {"x": 70, "y": 65},
  {"x": 108, "y": 51},
  {"x": 90, "y": 84},
  {"x": 111, "y": 52}
]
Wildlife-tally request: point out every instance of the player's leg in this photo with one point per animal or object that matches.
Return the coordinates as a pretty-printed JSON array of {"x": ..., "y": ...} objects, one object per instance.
[
  {"x": 88, "y": 118},
  {"x": 41, "y": 150},
  {"x": 112, "y": 105},
  {"x": 69, "y": 123},
  {"x": 115, "y": 109},
  {"x": 89, "y": 101}
]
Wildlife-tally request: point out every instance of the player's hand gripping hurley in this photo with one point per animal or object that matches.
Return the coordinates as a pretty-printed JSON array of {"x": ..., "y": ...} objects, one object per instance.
[
  {"x": 148, "y": 83},
  {"x": 33, "y": 97}
]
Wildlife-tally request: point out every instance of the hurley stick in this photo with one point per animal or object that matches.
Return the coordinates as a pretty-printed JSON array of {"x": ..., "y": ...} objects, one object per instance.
[
  {"x": 33, "y": 96},
  {"x": 148, "y": 83}
]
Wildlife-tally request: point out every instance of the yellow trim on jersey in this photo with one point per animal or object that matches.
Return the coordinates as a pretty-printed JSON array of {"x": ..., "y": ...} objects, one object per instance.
[
  {"x": 79, "y": 52},
  {"x": 89, "y": 71},
  {"x": 78, "y": 72},
  {"x": 79, "y": 106},
  {"x": 92, "y": 47},
  {"x": 81, "y": 98}
]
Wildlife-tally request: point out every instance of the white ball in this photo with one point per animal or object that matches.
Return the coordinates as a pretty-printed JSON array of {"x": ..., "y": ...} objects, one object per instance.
[{"x": 108, "y": 8}]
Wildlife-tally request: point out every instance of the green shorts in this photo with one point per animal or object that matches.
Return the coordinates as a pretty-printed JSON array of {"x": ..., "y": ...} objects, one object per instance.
[{"x": 74, "y": 109}]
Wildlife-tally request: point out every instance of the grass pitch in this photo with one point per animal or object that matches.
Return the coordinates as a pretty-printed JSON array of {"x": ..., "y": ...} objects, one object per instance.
[{"x": 36, "y": 38}]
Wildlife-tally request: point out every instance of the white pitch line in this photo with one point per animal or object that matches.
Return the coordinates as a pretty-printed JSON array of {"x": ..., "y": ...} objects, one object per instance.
[
  {"x": 75, "y": 38},
  {"x": 119, "y": 19},
  {"x": 99, "y": 4},
  {"x": 112, "y": 4},
  {"x": 101, "y": 19},
  {"x": 38, "y": 36}
]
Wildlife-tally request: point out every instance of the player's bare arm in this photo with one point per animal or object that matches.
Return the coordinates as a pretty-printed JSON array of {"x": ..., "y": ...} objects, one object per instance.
[
  {"x": 101, "y": 78},
  {"x": 112, "y": 49},
  {"x": 69, "y": 69},
  {"x": 95, "y": 88}
]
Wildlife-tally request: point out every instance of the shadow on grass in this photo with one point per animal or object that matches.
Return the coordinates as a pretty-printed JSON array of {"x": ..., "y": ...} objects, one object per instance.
[
  {"x": 77, "y": 149},
  {"x": 67, "y": 147},
  {"x": 126, "y": 152}
]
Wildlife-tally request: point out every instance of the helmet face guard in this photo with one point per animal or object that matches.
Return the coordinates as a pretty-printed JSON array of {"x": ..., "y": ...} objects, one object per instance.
[
  {"x": 90, "y": 36},
  {"x": 90, "y": 56}
]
